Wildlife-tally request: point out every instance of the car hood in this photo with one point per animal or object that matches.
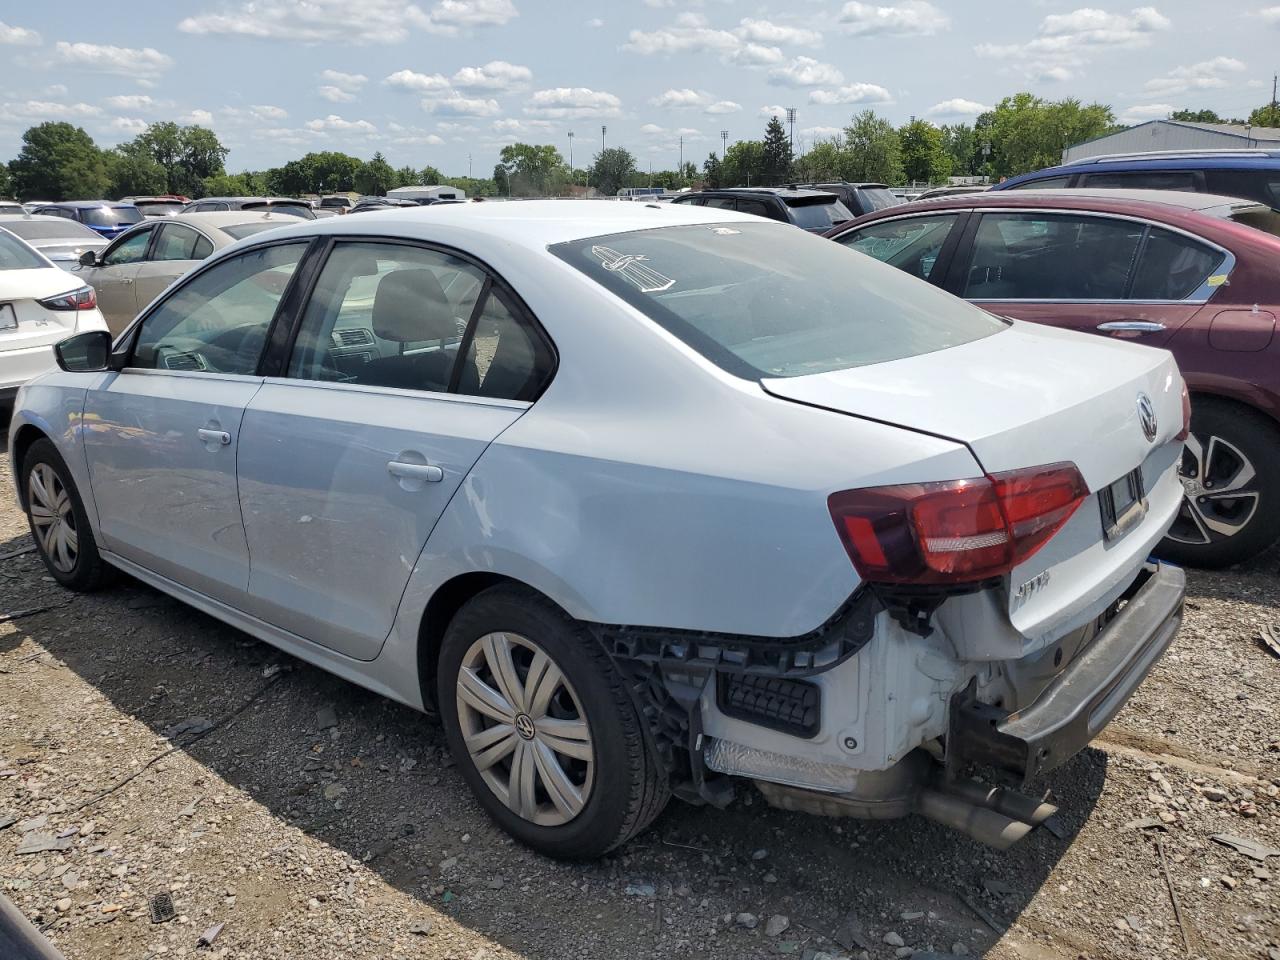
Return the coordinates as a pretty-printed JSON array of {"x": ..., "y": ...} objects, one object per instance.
[{"x": 1026, "y": 396}]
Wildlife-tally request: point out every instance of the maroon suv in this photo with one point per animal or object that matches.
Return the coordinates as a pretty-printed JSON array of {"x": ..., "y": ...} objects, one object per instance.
[{"x": 1195, "y": 273}]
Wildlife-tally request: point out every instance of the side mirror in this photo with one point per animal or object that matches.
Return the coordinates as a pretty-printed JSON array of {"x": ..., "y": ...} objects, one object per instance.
[
  {"x": 85, "y": 352},
  {"x": 89, "y": 258}
]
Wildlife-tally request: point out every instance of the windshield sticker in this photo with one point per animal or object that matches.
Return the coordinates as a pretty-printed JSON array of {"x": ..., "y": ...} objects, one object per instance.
[
  {"x": 1217, "y": 280},
  {"x": 630, "y": 266}
]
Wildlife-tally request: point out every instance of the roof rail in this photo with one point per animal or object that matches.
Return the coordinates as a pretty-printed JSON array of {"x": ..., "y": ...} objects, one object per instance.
[{"x": 1225, "y": 153}]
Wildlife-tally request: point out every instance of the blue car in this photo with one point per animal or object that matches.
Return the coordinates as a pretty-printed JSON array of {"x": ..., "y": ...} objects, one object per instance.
[
  {"x": 103, "y": 217},
  {"x": 1252, "y": 174}
]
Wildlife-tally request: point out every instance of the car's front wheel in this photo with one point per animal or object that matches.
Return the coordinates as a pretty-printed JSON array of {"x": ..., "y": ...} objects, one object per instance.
[
  {"x": 1231, "y": 487},
  {"x": 58, "y": 520},
  {"x": 543, "y": 728}
]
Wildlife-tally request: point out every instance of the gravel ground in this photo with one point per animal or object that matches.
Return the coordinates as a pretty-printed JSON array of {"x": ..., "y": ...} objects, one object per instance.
[{"x": 318, "y": 821}]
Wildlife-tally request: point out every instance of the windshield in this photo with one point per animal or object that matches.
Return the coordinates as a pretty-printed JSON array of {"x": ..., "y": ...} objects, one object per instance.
[
  {"x": 16, "y": 255},
  {"x": 766, "y": 300},
  {"x": 159, "y": 208},
  {"x": 818, "y": 214},
  {"x": 1268, "y": 221},
  {"x": 288, "y": 209},
  {"x": 49, "y": 229},
  {"x": 335, "y": 202},
  {"x": 241, "y": 230},
  {"x": 112, "y": 216},
  {"x": 877, "y": 198}
]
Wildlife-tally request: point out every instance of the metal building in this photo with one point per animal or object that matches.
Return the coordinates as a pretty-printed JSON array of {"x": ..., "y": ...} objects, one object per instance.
[{"x": 1176, "y": 135}]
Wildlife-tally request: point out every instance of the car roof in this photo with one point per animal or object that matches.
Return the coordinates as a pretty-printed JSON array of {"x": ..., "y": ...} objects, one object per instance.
[
  {"x": 217, "y": 219},
  {"x": 253, "y": 200},
  {"x": 38, "y": 217},
  {"x": 1169, "y": 198},
  {"x": 1164, "y": 161},
  {"x": 860, "y": 184},
  {"x": 85, "y": 204},
  {"x": 773, "y": 191},
  {"x": 533, "y": 224}
]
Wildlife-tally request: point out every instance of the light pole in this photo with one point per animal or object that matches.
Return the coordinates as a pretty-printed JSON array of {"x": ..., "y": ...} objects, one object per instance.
[
  {"x": 791, "y": 122},
  {"x": 570, "y": 151},
  {"x": 603, "y": 131},
  {"x": 724, "y": 143},
  {"x": 468, "y": 166}
]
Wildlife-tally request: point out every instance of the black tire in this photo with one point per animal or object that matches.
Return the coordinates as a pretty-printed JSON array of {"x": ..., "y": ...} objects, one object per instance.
[
  {"x": 88, "y": 571},
  {"x": 1212, "y": 529},
  {"x": 628, "y": 788}
]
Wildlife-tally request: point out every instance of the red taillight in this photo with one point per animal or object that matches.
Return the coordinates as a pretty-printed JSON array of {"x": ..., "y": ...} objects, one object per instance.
[
  {"x": 81, "y": 299},
  {"x": 957, "y": 531},
  {"x": 1186, "y": 414}
]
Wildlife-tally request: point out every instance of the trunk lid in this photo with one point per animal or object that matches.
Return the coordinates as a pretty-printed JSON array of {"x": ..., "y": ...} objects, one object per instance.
[{"x": 37, "y": 326}]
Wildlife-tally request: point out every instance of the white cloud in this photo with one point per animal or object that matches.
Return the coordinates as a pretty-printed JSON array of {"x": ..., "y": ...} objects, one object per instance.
[
  {"x": 340, "y": 21},
  {"x": 18, "y": 36},
  {"x": 765, "y": 31},
  {"x": 692, "y": 33},
  {"x": 456, "y": 106},
  {"x": 56, "y": 90},
  {"x": 659, "y": 4},
  {"x": 652, "y": 129},
  {"x": 146, "y": 63},
  {"x": 127, "y": 124},
  {"x": 518, "y": 126},
  {"x": 350, "y": 82},
  {"x": 806, "y": 72},
  {"x": 723, "y": 106},
  {"x": 132, "y": 101},
  {"x": 911, "y": 18},
  {"x": 202, "y": 117},
  {"x": 755, "y": 55},
  {"x": 1147, "y": 111},
  {"x": 822, "y": 133},
  {"x": 852, "y": 93},
  {"x": 564, "y": 102},
  {"x": 682, "y": 98},
  {"x": 412, "y": 136},
  {"x": 50, "y": 110},
  {"x": 774, "y": 111},
  {"x": 336, "y": 124},
  {"x": 494, "y": 75},
  {"x": 417, "y": 82},
  {"x": 1068, "y": 41},
  {"x": 1271, "y": 15},
  {"x": 335, "y": 94},
  {"x": 262, "y": 113},
  {"x": 595, "y": 23},
  {"x": 957, "y": 107},
  {"x": 1206, "y": 75}
]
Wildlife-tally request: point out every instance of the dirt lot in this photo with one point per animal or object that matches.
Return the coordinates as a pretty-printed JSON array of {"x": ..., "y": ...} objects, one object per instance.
[{"x": 318, "y": 821}]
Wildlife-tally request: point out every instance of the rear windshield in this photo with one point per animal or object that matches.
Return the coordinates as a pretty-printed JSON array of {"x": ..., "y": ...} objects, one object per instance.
[
  {"x": 877, "y": 198},
  {"x": 16, "y": 255},
  {"x": 159, "y": 208},
  {"x": 335, "y": 202},
  {"x": 812, "y": 213},
  {"x": 1268, "y": 221},
  {"x": 48, "y": 230},
  {"x": 767, "y": 300},
  {"x": 111, "y": 216},
  {"x": 242, "y": 230},
  {"x": 288, "y": 209}
]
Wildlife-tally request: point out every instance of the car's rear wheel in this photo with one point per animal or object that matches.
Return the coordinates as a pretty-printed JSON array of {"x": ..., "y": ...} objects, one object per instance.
[
  {"x": 58, "y": 521},
  {"x": 1231, "y": 487},
  {"x": 543, "y": 728}
]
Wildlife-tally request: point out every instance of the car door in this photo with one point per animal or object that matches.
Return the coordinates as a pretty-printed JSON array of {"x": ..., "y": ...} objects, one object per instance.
[
  {"x": 114, "y": 274},
  {"x": 1094, "y": 273},
  {"x": 920, "y": 245},
  {"x": 176, "y": 249},
  {"x": 162, "y": 434},
  {"x": 349, "y": 458}
]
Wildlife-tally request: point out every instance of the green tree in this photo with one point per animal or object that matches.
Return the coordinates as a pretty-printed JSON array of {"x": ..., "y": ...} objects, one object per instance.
[
  {"x": 1267, "y": 115},
  {"x": 59, "y": 161},
  {"x": 924, "y": 155},
  {"x": 231, "y": 185},
  {"x": 375, "y": 177},
  {"x": 406, "y": 176},
  {"x": 502, "y": 180},
  {"x": 1196, "y": 116},
  {"x": 531, "y": 171},
  {"x": 960, "y": 142},
  {"x": 187, "y": 154},
  {"x": 872, "y": 150},
  {"x": 134, "y": 172},
  {"x": 776, "y": 160},
  {"x": 712, "y": 172},
  {"x": 1028, "y": 133},
  {"x": 825, "y": 160},
  {"x": 474, "y": 186},
  {"x": 612, "y": 169},
  {"x": 431, "y": 176},
  {"x": 688, "y": 173},
  {"x": 6, "y": 182},
  {"x": 743, "y": 164}
]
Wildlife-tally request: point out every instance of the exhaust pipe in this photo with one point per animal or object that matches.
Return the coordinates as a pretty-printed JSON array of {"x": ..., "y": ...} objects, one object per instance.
[
  {"x": 980, "y": 822},
  {"x": 1002, "y": 800}
]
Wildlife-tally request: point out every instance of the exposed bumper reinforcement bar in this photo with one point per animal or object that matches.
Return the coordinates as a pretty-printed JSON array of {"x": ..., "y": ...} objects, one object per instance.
[{"x": 1082, "y": 699}]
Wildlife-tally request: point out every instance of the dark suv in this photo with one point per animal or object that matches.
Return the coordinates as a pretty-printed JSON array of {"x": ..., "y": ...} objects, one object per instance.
[
  {"x": 860, "y": 198},
  {"x": 285, "y": 205},
  {"x": 814, "y": 210},
  {"x": 1252, "y": 174}
]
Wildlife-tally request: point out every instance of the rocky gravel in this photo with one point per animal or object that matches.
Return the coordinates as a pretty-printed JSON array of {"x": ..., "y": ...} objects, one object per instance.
[{"x": 170, "y": 787}]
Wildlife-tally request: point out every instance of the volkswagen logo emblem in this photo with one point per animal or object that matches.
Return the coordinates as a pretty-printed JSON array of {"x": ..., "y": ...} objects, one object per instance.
[
  {"x": 1147, "y": 417},
  {"x": 524, "y": 726}
]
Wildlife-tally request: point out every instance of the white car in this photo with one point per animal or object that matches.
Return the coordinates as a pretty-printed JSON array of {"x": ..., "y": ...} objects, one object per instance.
[
  {"x": 640, "y": 498},
  {"x": 40, "y": 305},
  {"x": 63, "y": 241}
]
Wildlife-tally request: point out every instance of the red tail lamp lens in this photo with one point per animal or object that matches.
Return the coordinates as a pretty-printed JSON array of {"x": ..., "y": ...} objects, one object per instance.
[
  {"x": 957, "y": 531},
  {"x": 82, "y": 299}
]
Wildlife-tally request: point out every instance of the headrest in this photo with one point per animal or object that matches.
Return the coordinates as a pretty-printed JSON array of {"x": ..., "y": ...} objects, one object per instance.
[{"x": 410, "y": 306}]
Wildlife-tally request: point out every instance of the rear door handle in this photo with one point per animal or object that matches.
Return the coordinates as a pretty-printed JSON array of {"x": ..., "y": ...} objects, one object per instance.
[
  {"x": 415, "y": 471},
  {"x": 1131, "y": 326},
  {"x": 214, "y": 436}
]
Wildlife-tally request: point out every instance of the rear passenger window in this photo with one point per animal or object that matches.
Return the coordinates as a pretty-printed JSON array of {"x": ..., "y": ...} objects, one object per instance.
[
  {"x": 1173, "y": 267},
  {"x": 1151, "y": 180},
  {"x": 1048, "y": 183},
  {"x": 1261, "y": 185},
  {"x": 1031, "y": 256},
  {"x": 756, "y": 207},
  {"x": 506, "y": 360},
  {"x": 723, "y": 203}
]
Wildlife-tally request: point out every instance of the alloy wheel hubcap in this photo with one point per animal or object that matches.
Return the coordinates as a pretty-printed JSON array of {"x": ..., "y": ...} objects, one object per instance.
[
  {"x": 525, "y": 729},
  {"x": 52, "y": 517},
  {"x": 1220, "y": 492}
]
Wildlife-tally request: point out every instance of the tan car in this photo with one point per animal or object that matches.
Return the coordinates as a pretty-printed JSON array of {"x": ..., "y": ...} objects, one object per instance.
[{"x": 142, "y": 262}]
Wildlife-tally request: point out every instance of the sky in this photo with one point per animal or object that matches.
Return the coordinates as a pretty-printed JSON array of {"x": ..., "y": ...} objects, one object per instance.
[{"x": 450, "y": 82}]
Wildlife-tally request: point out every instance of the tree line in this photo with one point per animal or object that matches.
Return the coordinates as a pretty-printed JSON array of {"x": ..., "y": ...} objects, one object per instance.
[{"x": 60, "y": 161}]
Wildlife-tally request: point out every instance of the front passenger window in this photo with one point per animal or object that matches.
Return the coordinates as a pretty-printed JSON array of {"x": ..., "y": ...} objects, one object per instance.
[
  {"x": 912, "y": 244},
  {"x": 218, "y": 322},
  {"x": 129, "y": 250}
]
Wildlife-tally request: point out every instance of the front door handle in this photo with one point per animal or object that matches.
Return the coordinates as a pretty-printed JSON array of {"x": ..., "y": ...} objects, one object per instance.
[
  {"x": 214, "y": 436},
  {"x": 415, "y": 471},
  {"x": 126, "y": 280},
  {"x": 1131, "y": 326}
]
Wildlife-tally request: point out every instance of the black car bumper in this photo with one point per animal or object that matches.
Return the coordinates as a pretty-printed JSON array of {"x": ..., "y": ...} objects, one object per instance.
[{"x": 1081, "y": 700}]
